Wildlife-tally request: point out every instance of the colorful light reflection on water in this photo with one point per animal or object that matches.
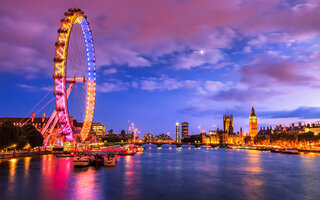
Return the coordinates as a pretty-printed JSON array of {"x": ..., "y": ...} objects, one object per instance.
[{"x": 166, "y": 174}]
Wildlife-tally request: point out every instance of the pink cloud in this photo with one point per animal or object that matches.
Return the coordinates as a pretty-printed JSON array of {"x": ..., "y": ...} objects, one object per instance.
[
  {"x": 271, "y": 70},
  {"x": 126, "y": 33}
]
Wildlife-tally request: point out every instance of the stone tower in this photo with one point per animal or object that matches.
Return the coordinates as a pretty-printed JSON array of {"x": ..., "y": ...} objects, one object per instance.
[{"x": 253, "y": 123}]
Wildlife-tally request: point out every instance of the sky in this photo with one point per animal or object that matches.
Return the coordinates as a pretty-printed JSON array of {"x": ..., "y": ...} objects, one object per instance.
[{"x": 162, "y": 61}]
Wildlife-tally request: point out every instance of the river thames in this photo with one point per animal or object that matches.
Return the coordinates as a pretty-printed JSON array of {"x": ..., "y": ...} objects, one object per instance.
[{"x": 166, "y": 174}]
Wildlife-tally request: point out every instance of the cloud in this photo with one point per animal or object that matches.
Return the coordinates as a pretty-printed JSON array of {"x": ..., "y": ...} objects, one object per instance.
[
  {"x": 116, "y": 86},
  {"x": 247, "y": 49},
  {"x": 25, "y": 86},
  {"x": 248, "y": 95},
  {"x": 119, "y": 55},
  {"x": 197, "y": 59},
  {"x": 22, "y": 60},
  {"x": 300, "y": 112},
  {"x": 269, "y": 75},
  {"x": 110, "y": 71},
  {"x": 197, "y": 111},
  {"x": 270, "y": 70},
  {"x": 165, "y": 83},
  {"x": 35, "y": 88}
]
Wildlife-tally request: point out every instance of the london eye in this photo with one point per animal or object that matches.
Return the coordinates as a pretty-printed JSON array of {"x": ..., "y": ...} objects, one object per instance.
[{"x": 74, "y": 67}]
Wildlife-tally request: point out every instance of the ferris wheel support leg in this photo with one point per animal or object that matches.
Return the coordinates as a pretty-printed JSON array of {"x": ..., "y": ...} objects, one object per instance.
[
  {"x": 54, "y": 115},
  {"x": 69, "y": 89},
  {"x": 51, "y": 129}
]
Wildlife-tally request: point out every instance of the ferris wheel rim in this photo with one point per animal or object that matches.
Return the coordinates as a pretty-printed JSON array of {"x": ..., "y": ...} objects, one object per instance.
[{"x": 73, "y": 16}]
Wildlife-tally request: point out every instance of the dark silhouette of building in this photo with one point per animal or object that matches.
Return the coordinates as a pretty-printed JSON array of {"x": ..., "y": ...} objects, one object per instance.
[
  {"x": 123, "y": 134},
  {"x": 185, "y": 129},
  {"x": 148, "y": 137}
]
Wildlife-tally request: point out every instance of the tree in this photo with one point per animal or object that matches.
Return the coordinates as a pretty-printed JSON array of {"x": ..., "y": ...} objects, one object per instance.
[
  {"x": 110, "y": 132},
  {"x": 191, "y": 139},
  {"x": 260, "y": 139},
  {"x": 33, "y": 136},
  {"x": 23, "y": 141},
  {"x": 307, "y": 138},
  {"x": 123, "y": 133},
  {"x": 247, "y": 140},
  {"x": 111, "y": 138},
  {"x": 9, "y": 134}
]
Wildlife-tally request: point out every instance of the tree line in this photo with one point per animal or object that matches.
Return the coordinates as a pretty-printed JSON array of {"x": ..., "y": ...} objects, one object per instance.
[
  {"x": 287, "y": 139},
  {"x": 15, "y": 137}
]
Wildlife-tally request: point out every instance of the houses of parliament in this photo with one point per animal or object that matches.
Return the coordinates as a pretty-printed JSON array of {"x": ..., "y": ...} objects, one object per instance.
[{"x": 227, "y": 135}]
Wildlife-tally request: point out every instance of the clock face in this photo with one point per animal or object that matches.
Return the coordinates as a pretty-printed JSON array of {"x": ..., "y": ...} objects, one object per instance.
[{"x": 253, "y": 120}]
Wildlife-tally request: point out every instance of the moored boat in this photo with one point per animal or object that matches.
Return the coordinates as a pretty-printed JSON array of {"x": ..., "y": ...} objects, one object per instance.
[
  {"x": 275, "y": 150},
  {"x": 110, "y": 160},
  {"x": 81, "y": 161},
  {"x": 98, "y": 160},
  {"x": 127, "y": 152},
  {"x": 290, "y": 151},
  {"x": 230, "y": 147},
  {"x": 140, "y": 149}
]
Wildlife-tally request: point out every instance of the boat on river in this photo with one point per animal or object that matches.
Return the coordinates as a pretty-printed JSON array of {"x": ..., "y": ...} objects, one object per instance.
[
  {"x": 127, "y": 152},
  {"x": 140, "y": 149},
  {"x": 275, "y": 150},
  {"x": 290, "y": 151},
  {"x": 110, "y": 160},
  {"x": 81, "y": 161},
  {"x": 98, "y": 160}
]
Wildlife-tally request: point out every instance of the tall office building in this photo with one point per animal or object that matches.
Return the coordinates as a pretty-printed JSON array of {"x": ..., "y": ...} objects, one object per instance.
[
  {"x": 185, "y": 129},
  {"x": 177, "y": 131},
  {"x": 253, "y": 123},
  {"x": 228, "y": 124}
]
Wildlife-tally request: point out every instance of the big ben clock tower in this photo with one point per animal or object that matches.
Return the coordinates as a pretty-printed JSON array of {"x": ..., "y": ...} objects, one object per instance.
[{"x": 253, "y": 123}]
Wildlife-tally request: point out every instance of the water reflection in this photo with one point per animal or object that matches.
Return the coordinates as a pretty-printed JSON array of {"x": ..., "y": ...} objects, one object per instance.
[
  {"x": 253, "y": 179},
  {"x": 12, "y": 175},
  {"x": 309, "y": 181},
  {"x": 85, "y": 185},
  {"x": 26, "y": 167},
  {"x": 131, "y": 177}
]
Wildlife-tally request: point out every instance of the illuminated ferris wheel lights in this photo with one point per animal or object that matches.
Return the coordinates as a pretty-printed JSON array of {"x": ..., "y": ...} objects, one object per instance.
[{"x": 74, "y": 15}]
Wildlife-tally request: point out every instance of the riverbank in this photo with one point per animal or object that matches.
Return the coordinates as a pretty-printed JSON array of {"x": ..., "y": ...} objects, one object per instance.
[
  {"x": 18, "y": 154},
  {"x": 261, "y": 148}
]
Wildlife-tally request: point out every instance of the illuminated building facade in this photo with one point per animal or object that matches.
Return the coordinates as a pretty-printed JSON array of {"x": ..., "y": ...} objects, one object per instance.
[
  {"x": 163, "y": 138},
  {"x": 228, "y": 124},
  {"x": 177, "y": 131},
  {"x": 99, "y": 129},
  {"x": 253, "y": 123},
  {"x": 185, "y": 129},
  {"x": 148, "y": 137},
  {"x": 212, "y": 138}
]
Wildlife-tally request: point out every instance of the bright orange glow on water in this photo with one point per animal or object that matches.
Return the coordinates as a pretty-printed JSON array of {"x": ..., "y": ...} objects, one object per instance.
[
  {"x": 26, "y": 166},
  {"x": 253, "y": 180}
]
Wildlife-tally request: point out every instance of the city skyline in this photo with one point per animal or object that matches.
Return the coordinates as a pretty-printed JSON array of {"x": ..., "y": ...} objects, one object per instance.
[{"x": 221, "y": 61}]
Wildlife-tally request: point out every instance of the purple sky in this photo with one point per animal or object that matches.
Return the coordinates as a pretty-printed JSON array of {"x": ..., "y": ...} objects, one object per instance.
[{"x": 168, "y": 60}]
